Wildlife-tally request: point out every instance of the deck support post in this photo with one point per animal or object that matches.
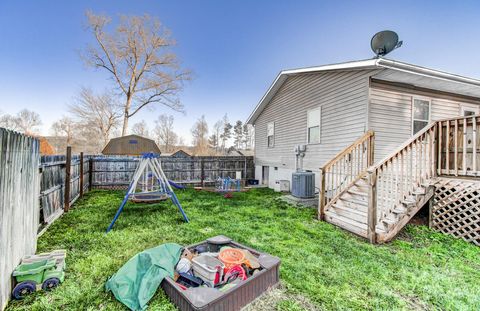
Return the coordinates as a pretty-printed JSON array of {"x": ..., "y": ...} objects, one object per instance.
[
  {"x": 372, "y": 206},
  {"x": 68, "y": 165},
  {"x": 430, "y": 212},
  {"x": 321, "y": 196}
]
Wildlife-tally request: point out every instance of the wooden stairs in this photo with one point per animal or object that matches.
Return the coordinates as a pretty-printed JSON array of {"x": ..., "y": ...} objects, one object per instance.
[
  {"x": 376, "y": 200},
  {"x": 350, "y": 211}
]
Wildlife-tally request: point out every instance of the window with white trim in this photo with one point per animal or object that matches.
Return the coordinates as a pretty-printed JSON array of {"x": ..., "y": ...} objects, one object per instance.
[
  {"x": 467, "y": 111},
  {"x": 271, "y": 134},
  {"x": 421, "y": 114},
  {"x": 313, "y": 125}
]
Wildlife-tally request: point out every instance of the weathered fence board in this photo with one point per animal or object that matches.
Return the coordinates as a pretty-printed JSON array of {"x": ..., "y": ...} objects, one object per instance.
[
  {"x": 117, "y": 171},
  {"x": 19, "y": 204},
  {"x": 52, "y": 184}
]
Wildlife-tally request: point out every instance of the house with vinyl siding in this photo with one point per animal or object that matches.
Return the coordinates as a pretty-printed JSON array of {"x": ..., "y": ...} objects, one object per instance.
[{"x": 329, "y": 107}]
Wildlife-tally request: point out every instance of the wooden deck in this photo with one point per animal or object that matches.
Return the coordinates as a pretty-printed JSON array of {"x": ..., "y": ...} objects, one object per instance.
[{"x": 377, "y": 201}]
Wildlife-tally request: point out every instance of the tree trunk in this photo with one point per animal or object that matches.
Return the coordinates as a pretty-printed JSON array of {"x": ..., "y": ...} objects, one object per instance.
[{"x": 125, "y": 115}]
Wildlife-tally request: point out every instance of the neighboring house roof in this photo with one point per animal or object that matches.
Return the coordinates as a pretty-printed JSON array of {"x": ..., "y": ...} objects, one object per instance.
[
  {"x": 130, "y": 145},
  {"x": 45, "y": 147},
  {"x": 242, "y": 153},
  {"x": 180, "y": 154},
  {"x": 399, "y": 72}
]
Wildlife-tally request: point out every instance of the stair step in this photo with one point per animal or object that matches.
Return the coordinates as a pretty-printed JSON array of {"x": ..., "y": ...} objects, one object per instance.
[
  {"x": 389, "y": 221},
  {"x": 420, "y": 191},
  {"x": 360, "y": 193},
  {"x": 354, "y": 214},
  {"x": 354, "y": 200},
  {"x": 400, "y": 210},
  {"x": 346, "y": 223},
  {"x": 409, "y": 202}
]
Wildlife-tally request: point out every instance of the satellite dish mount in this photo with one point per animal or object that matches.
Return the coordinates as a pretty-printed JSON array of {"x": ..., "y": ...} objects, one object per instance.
[{"x": 384, "y": 42}]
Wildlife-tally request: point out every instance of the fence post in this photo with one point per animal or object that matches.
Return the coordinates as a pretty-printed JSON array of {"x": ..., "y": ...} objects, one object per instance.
[
  {"x": 321, "y": 197},
  {"x": 81, "y": 174},
  {"x": 202, "y": 171},
  {"x": 68, "y": 163},
  {"x": 372, "y": 206},
  {"x": 90, "y": 174}
]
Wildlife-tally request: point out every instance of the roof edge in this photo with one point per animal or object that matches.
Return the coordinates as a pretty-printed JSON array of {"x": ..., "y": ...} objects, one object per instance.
[
  {"x": 284, "y": 74},
  {"x": 361, "y": 64}
]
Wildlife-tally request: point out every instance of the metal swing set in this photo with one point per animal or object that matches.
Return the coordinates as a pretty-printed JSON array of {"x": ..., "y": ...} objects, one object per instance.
[{"x": 149, "y": 185}]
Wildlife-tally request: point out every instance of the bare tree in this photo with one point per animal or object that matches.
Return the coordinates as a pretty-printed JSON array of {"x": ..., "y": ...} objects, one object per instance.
[
  {"x": 164, "y": 132},
  {"x": 98, "y": 114},
  {"x": 64, "y": 127},
  {"x": 200, "y": 135},
  {"x": 8, "y": 121},
  {"x": 141, "y": 128},
  {"x": 137, "y": 55},
  {"x": 27, "y": 121}
]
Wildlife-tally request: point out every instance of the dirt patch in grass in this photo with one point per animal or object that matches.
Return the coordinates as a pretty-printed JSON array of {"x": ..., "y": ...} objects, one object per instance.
[{"x": 280, "y": 299}]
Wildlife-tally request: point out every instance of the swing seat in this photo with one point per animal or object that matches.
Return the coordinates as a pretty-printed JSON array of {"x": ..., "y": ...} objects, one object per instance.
[{"x": 149, "y": 197}]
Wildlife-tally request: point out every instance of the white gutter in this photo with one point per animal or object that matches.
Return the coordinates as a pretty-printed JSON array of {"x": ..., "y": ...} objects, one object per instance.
[{"x": 426, "y": 72}]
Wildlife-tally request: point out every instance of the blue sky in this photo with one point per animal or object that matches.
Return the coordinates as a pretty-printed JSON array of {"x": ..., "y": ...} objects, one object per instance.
[{"x": 235, "y": 48}]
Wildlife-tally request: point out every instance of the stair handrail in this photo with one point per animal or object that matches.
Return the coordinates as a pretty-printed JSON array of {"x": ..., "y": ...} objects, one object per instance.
[
  {"x": 344, "y": 179},
  {"x": 399, "y": 177}
]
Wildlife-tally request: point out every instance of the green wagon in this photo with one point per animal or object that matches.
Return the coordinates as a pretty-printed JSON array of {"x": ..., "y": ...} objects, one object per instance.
[{"x": 44, "y": 271}]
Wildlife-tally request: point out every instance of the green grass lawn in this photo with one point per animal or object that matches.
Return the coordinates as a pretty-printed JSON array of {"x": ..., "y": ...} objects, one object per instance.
[{"x": 322, "y": 266}]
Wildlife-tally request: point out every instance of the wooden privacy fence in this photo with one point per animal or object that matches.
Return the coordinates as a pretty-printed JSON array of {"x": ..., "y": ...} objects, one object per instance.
[
  {"x": 111, "y": 171},
  {"x": 19, "y": 208},
  {"x": 55, "y": 171}
]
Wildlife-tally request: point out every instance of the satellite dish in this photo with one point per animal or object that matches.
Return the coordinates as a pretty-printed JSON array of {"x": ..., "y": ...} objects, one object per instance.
[{"x": 384, "y": 42}]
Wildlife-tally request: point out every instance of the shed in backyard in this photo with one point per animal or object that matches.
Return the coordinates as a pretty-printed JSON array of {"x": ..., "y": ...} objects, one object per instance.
[
  {"x": 132, "y": 145},
  {"x": 181, "y": 154}
]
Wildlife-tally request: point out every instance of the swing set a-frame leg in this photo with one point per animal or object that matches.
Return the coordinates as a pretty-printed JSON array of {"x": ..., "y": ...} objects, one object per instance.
[
  {"x": 177, "y": 204},
  {"x": 120, "y": 209}
]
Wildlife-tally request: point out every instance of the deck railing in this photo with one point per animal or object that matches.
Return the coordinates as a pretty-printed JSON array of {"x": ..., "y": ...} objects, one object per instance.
[
  {"x": 458, "y": 153},
  {"x": 341, "y": 172},
  {"x": 394, "y": 179}
]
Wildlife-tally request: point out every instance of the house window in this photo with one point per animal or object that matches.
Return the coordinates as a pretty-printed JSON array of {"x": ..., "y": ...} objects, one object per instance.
[
  {"x": 313, "y": 126},
  {"x": 421, "y": 114},
  {"x": 468, "y": 111},
  {"x": 271, "y": 134}
]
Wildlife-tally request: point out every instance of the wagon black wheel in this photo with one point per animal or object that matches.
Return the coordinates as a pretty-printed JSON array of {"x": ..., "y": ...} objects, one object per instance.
[
  {"x": 23, "y": 289},
  {"x": 50, "y": 283}
]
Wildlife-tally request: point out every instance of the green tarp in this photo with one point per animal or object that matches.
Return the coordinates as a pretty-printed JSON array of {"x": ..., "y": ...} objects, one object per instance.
[{"x": 137, "y": 281}]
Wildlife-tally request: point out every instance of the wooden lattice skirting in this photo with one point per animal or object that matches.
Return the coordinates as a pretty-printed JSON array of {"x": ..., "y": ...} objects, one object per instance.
[{"x": 456, "y": 208}]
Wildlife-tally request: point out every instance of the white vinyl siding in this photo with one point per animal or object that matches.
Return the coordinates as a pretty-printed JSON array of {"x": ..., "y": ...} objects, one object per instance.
[
  {"x": 343, "y": 97},
  {"x": 313, "y": 125},
  {"x": 390, "y": 115}
]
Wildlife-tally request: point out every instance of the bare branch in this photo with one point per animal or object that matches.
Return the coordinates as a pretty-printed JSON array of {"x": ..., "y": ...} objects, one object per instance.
[{"x": 138, "y": 56}]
